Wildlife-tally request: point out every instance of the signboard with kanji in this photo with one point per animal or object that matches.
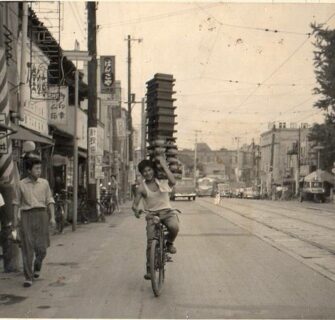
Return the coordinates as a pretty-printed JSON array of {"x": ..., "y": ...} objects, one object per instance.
[
  {"x": 92, "y": 150},
  {"x": 3, "y": 141},
  {"x": 121, "y": 127},
  {"x": 58, "y": 108},
  {"x": 107, "y": 73}
]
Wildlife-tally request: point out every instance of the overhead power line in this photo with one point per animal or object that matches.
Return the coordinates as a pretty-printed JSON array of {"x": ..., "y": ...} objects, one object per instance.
[
  {"x": 265, "y": 29},
  {"x": 155, "y": 17}
]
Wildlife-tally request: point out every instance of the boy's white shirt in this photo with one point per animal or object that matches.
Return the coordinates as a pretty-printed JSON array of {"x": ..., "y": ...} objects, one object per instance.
[
  {"x": 163, "y": 185},
  {"x": 2, "y": 202}
]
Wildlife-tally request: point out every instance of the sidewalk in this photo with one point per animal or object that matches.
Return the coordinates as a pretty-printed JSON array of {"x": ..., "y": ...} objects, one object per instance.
[{"x": 125, "y": 208}]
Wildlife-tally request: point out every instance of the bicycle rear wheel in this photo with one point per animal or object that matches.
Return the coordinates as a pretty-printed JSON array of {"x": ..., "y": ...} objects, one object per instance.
[
  {"x": 60, "y": 219},
  {"x": 157, "y": 266}
]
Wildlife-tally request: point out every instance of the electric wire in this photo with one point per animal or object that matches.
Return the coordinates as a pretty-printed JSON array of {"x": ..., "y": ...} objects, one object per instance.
[{"x": 155, "y": 17}]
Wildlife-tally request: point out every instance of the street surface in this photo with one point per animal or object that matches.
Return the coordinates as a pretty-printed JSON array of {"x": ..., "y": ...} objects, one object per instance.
[{"x": 240, "y": 259}]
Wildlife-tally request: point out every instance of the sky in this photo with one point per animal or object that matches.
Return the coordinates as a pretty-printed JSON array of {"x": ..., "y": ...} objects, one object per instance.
[{"x": 238, "y": 66}]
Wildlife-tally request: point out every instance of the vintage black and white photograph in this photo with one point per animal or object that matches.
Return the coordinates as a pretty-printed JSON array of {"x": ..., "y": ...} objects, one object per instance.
[{"x": 167, "y": 159}]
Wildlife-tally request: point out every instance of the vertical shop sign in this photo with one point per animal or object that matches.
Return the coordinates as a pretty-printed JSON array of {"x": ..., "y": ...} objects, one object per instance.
[
  {"x": 92, "y": 136},
  {"x": 107, "y": 73},
  {"x": 58, "y": 108},
  {"x": 121, "y": 127},
  {"x": 99, "y": 153}
]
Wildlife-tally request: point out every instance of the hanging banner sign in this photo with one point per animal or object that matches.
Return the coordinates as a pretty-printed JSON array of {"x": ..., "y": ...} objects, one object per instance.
[
  {"x": 107, "y": 73},
  {"x": 58, "y": 108}
]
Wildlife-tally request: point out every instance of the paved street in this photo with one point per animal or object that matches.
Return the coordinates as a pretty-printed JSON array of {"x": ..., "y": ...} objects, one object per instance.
[{"x": 236, "y": 260}]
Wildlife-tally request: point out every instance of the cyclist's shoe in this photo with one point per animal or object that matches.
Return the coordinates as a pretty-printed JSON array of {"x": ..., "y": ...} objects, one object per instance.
[
  {"x": 147, "y": 276},
  {"x": 171, "y": 249}
]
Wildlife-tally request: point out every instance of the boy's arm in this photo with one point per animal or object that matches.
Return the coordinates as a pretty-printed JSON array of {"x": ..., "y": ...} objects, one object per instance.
[
  {"x": 16, "y": 205},
  {"x": 169, "y": 174}
]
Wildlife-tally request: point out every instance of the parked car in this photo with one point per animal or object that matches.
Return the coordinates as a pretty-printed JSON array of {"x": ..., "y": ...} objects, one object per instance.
[
  {"x": 184, "y": 188},
  {"x": 238, "y": 193},
  {"x": 251, "y": 193},
  {"x": 225, "y": 190}
]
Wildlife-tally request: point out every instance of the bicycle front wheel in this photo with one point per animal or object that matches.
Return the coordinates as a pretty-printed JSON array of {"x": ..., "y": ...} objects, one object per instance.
[{"x": 157, "y": 266}]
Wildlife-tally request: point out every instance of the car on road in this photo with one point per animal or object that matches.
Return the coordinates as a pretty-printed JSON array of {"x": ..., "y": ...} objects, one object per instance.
[
  {"x": 184, "y": 188},
  {"x": 206, "y": 187},
  {"x": 225, "y": 190},
  {"x": 251, "y": 193}
]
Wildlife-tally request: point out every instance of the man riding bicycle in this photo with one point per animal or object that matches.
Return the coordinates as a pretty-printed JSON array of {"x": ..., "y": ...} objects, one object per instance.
[{"x": 156, "y": 201}]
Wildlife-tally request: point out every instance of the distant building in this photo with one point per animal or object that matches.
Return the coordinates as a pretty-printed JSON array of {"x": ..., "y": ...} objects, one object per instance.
[
  {"x": 221, "y": 162},
  {"x": 279, "y": 155}
]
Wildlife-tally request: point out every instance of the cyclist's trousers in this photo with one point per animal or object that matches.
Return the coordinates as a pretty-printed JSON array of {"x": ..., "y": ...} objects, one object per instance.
[{"x": 169, "y": 218}]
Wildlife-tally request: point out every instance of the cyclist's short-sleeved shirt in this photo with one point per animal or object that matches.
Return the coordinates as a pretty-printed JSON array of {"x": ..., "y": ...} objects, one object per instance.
[{"x": 158, "y": 200}]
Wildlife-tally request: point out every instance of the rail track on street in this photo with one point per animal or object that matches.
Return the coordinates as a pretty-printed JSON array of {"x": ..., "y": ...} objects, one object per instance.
[{"x": 260, "y": 215}]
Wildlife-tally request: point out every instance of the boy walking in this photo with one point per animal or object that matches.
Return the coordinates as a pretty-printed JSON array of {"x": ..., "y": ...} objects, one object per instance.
[{"x": 34, "y": 198}]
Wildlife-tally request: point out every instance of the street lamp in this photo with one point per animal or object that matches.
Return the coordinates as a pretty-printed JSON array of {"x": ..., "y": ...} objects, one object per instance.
[{"x": 76, "y": 55}]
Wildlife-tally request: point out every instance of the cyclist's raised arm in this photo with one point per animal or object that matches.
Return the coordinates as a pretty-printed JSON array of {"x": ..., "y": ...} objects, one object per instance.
[{"x": 169, "y": 174}]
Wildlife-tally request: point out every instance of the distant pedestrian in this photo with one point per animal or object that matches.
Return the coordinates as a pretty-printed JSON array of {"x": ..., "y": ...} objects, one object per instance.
[
  {"x": 217, "y": 198},
  {"x": 34, "y": 198},
  {"x": 114, "y": 189}
]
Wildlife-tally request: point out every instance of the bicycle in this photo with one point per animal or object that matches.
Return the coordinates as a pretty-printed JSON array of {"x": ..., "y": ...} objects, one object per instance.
[
  {"x": 59, "y": 213},
  {"x": 158, "y": 256},
  {"x": 108, "y": 203}
]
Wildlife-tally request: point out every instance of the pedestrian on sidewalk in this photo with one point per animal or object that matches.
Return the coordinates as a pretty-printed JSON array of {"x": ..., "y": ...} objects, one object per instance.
[
  {"x": 34, "y": 198},
  {"x": 114, "y": 189}
]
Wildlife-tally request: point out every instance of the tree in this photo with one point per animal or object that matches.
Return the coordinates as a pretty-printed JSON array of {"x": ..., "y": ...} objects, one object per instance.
[
  {"x": 324, "y": 63},
  {"x": 325, "y": 135}
]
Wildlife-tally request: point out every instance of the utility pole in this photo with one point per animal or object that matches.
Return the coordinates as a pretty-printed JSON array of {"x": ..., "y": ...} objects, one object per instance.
[
  {"x": 143, "y": 131},
  {"x": 195, "y": 156},
  {"x": 76, "y": 55},
  {"x": 298, "y": 163},
  {"x": 238, "y": 158},
  {"x": 129, "y": 102},
  {"x": 253, "y": 172},
  {"x": 272, "y": 154},
  {"x": 92, "y": 105}
]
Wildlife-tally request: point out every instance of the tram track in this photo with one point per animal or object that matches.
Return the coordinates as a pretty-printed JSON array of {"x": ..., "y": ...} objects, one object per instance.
[
  {"x": 288, "y": 216},
  {"x": 276, "y": 228}
]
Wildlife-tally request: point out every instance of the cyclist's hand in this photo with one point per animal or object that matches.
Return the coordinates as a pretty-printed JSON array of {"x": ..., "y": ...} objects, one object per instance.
[
  {"x": 161, "y": 160},
  {"x": 138, "y": 214}
]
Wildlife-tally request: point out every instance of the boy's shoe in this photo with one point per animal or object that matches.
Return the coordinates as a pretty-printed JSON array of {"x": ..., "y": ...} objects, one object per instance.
[
  {"x": 36, "y": 274},
  {"x": 27, "y": 283},
  {"x": 171, "y": 249}
]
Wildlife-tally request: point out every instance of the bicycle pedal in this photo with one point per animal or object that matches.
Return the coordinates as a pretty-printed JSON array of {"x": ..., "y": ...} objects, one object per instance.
[{"x": 169, "y": 259}]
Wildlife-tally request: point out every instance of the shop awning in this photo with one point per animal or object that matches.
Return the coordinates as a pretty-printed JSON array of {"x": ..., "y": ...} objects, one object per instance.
[
  {"x": 82, "y": 154},
  {"x": 27, "y": 135}
]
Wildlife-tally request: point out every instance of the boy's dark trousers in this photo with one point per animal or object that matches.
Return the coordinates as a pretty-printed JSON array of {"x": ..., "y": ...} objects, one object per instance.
[{"x": 34, "y": 232}]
